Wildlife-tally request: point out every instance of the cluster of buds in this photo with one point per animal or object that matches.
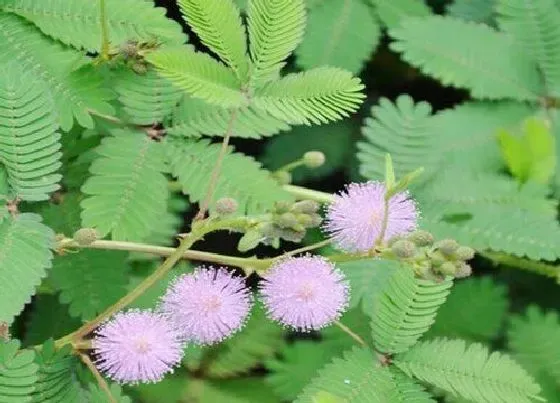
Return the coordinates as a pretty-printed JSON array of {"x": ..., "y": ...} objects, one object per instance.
[
  {"x": 132, "y": 54},
  {"x": 432, "y": 260},
  {"x": 288, "y": 221}
]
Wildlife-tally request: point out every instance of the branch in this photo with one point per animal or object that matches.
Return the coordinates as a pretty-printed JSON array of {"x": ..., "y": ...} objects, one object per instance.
[
  {"x": 307, "y": 194},
  {"x": 104, "y": 31},
  {"x": 545, "y": 269},
  {"x": 100, "y": 380},
  {"x": 350, "y": 333}
]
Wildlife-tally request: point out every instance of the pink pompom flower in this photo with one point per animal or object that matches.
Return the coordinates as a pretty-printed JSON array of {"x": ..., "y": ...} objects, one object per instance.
[
  {"x": 305, "y": 293},
  {"x": 355, "y": 218},
  {"x": 137, "y": 346},
  {"x": 208, "y": 305}
]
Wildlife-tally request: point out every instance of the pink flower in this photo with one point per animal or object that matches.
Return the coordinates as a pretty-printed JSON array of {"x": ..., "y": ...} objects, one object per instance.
[
  {"x": 207, "y": 305},
  {"x": 137, "y": 346},
  {"x": 305, "y": 293},
  {"x": 355, "y": 218}
]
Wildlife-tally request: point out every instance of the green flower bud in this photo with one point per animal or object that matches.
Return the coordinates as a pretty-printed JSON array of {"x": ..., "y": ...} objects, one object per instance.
[
  {"x": 287, "y": 220},
  {"x": 313, "y": 159},
  {"x": 448, "y": 269},
  {"x": 421, "y": 238},
  {"x": 140, "y": 68},
  {"x": 464, "y": 253},
  {"x": 129, "y": 49},
  {"x": 250, "y": 240},
  {"x": 316, "y": 220},
  {"x": 463, "y": 271},
  {"x": 437, "y": 258},
  {"x": 282, "y": 207},
  {"x": 394, "y": 239},
  {"x": 304, "y": 219},
  {"x": 282, "y": 177},
  {"x": 85, "y": 236},
  {"x": 226, "y": 206},
  {"x": 305, "y": 206},
  {"x": 447, "y": 246},
  {"x": 291, "y": 235},
  {"x": 403, "y": 249}
]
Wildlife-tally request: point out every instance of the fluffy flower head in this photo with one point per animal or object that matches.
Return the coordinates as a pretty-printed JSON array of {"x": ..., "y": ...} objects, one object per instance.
[
  {"x": 207, "y": 305},
  {"x": 137, "y": 346},
  {"x": 355, "y": 217},
  {"x": 305, "y": 293}
]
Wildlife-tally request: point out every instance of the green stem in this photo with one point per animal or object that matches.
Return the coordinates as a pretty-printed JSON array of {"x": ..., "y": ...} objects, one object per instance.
[
  {"x": 306, "y": 248},
  {"x": 546, "y": 269},
  {"x": 350, "y": 333},
  {"x": 291, "y": 166},
  {"x": 100, "y": 380},
  {"x": 379, "y": 240},
  {"x": 104, "y": 31},
  {"x": 302, "y": 193}
]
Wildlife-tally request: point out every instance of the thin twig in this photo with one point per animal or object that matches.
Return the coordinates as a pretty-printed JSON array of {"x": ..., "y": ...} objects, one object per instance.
[
  {"x": 302, "y": 193},
  {"x": 100, "y": 380},
  {"x": 104, "y": 31},
  {"x": 350, "y": 333},
  {"x": 307, "y": 248},
  {"x": 217, "y": 168}
]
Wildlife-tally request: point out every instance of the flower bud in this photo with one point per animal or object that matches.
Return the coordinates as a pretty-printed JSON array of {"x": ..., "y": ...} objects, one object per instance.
[
  {"x": 448, "y": 269},
  {"x": 421, "y": 238},
  {"x": 313, "y": 159},
  {"x": 316, "y": 220},
  {"x": 447, "y": 246},
  {"x": 464, "y": 253},
  {"x": 287, "y": 220},
  {"x": 437, "y": 258},
  {"x": 282, "y": 207},
  {"x": 291, "y": 235},
  {"x": 304, "y": 219},
  {"x": 226, "y": 206},
  {"x": 250, "y": 240},
  {"x": 394, "y": 239},
  {"x": 129, "y": 49},
  {"x": 463, "y": 271},
  {"x": 140, "y": 68},
  {"x": 282, "y": 177},
  {"x": 305, "y": 206},
  {"x": 85, "y": 236},
  {"x": 404, "y": 249}
]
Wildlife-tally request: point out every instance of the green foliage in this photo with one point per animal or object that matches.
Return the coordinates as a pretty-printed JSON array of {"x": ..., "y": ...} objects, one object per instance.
[
  {"x": 275, "y": 29},
  {"x": 194, "y": 118},
  {"x": 146, "y": 98},
  {"x": 98, "y": 395},
  {"x": 18, "y": 373},
  {"x": 242, "y": 178},
  {"x": 89, "y": 281},
  {"x": 534, "y": 26},
  {"x": 25, "y": 255},
  {"x": 468, "y": 371},
  {"x": 531, "y": 156},
  {"x": 76, "y": 22},
  {"x": 30, "y": 147},
  {"x": 391, "y": 12},
  {"x": 316, "y": 96},
  {"x": 218, "y": 24},
  {"x": 475, "y": 310},
  {"x": 405, "y": 310},
  {"x": 339, "y": 34},
  {"x": 127, "y": 190},
  {"x": 449, "y": 50},
  {"x": 56, "y": 380},
  {"x": 408, "y": 390},
  {"x": 533, "y": 339},
  {"x": 472, "y": 10},
  {"x": 75, "y": 92}
]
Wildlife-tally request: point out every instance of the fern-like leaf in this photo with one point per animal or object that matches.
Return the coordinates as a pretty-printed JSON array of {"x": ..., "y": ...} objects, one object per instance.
[
  {"x": 25, "y": 255},
  {"x": 29, "y": 144},
  {"x": 469, "y": 371},
  {"x": 75, "y": 93},
  {"x": 241, "y": 177},
  {"x": 275, "y": 28},
  {"x": 57, "y": 380},
  {"x": 316, "y": 96},
  {"x": 534, "y": 26},
  {"x": 449, "y": 50},
  {"x": 474, "y": 310},
  {"x": 90, "y": 281},
  {"x": 405, "y": 311},
  {"x": 98, "y": 395},
  {"x": 355, "y": 378},
  {"x": 391, "y": 12},
  {"x": 18, "y": 373},
  {"x": 194, "y": 118},
  {"x": 199, "y": 75},
  {"x": 331, "y": 26},
  {"x": 76, "y": 22},
  {"x": 533, "y": 339},
  {"x": 127, "y": 190},
  {"x": 146, "y": 98},
  {"x": 218, "y": 24},
  {"x": 407, "y": 390},
  {"x": 472, "y": 10}
]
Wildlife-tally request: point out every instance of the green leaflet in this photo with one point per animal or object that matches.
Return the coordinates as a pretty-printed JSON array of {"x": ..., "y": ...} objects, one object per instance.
[
  {"x": 468, "y": 371},
  {"x": 241, "y": 177},
  {"x": 29, "y": 143},
  {"x": 18, "y": 373},
  {"x": 218, "y": 24},
  {"x": 534, "y": 26},
  {"x": 472, "y": 10},
  {"x": 275, "y": 29},
  {"x": 405, "y": 310},
  {"x": 25, "y": 254},
  {"x": 98, "y": 395},
  {"x": 339, "y": 33},
  {"x": 57, "y": 380},
  {"x": 449, "y": 49},
  {"x": 127, "y": 191},
  {"x": 75, "y": 92},
  {"x": 391, "y": 12},
  {"x": 475, "y": 310},
  {"x": 90, "y": 280},
  {"x": 407, "y": 390},
  {"x": 530, "y": 156},
  {"x": 76, "y": 22}
]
